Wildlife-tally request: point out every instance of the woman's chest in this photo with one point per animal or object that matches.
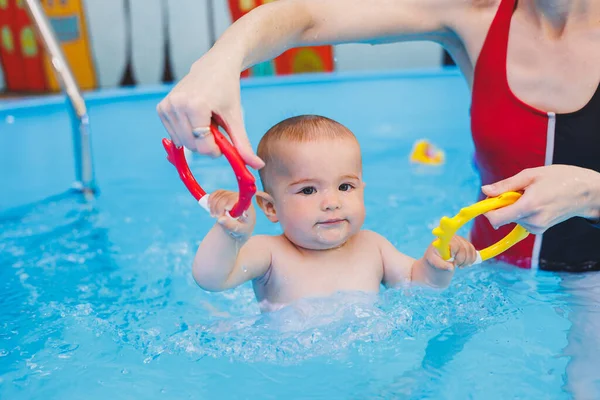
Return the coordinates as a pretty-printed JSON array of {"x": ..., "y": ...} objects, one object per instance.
[{"x": 553, "y": 75}]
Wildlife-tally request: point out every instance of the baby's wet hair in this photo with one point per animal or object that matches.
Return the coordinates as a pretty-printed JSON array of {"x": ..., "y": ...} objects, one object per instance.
[{"x": 298, "y": 129}]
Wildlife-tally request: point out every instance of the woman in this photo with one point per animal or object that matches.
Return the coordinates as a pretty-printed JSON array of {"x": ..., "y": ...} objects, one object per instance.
[{"x": 532, "y": 69}]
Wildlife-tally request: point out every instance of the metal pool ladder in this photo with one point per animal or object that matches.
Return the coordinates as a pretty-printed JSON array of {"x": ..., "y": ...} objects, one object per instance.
[{"x": 80, "y": 123}]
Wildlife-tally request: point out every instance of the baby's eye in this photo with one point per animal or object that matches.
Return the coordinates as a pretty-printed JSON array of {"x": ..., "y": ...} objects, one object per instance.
[
  {"x": 344, "y": 187},
  {"x": 308, "y": 190}
]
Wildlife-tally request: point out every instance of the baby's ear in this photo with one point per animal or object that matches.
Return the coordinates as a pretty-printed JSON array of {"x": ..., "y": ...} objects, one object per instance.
[{"x": 267, "y": 204}]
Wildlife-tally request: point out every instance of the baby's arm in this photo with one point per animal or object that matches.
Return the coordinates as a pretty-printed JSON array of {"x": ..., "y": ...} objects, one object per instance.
[
  {"x": 228, "y": 256},
  {"x": 431, "y": 269}
]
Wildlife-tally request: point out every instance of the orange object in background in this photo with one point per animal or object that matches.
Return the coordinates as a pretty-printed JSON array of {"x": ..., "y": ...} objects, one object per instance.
[
  {"x": 293, "y": 61},
  {"x": 26, "y": 66},
  {"x": 67, "y": 18},
  {"x": 305, "y": 59}
]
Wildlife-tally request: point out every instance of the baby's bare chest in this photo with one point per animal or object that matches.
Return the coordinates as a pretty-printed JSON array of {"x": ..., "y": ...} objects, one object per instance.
[{"x": 293, "y": 277}]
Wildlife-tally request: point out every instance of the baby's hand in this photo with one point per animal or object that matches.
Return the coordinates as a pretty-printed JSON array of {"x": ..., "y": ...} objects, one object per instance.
[
  {"x": 461, "y": 250},
  {"x": 222, "y": 201}
]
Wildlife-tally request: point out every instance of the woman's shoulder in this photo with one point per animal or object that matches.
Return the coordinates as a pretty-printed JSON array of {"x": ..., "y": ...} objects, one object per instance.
[{"x": 486, "y": 3}]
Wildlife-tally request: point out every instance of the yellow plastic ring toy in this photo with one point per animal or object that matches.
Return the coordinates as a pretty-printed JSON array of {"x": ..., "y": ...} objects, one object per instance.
[{"x": 448, "y": 227}]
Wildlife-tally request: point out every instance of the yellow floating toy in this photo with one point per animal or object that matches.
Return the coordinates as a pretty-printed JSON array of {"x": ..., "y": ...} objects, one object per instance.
[
  {"x": 423, "y": 152},
  {"x": 448, "y": 227}
]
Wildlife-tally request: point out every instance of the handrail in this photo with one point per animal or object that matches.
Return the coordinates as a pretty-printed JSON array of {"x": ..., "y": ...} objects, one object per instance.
[{"x": 84, "y": 167}]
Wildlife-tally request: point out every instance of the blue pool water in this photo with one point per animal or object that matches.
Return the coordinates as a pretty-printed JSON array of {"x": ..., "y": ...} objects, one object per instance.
[{"x": 97, "y": 300}]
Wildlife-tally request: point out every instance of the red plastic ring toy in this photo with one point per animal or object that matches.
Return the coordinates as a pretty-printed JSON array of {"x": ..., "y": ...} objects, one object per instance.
[{"x": 246, "y": 182}]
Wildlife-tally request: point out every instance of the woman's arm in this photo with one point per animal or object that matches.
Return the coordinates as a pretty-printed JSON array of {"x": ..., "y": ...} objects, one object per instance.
[{"x": 211, "y": 88}]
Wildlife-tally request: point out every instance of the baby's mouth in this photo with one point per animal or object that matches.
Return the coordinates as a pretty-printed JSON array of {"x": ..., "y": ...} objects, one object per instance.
[{"x": 332, "y": 222}]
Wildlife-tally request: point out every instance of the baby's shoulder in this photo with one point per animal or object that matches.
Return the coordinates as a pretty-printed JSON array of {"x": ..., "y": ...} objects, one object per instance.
[
  {"x": 370, "y": 237},
  {"x": 264, "y": 241},
  {"x": 366, "y": 240},
  {"x": 272, "y": 243}
]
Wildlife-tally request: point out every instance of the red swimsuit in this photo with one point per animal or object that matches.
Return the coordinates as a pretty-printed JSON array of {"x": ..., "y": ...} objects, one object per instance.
[{"x": 510, "y": 136}]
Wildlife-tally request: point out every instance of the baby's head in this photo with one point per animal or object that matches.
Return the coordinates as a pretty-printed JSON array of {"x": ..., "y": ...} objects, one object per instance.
[{"x": 313, "y": 181}]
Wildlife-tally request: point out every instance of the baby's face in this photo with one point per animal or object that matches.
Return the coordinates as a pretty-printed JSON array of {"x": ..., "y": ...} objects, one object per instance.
[{"x": 319, "y": 192}]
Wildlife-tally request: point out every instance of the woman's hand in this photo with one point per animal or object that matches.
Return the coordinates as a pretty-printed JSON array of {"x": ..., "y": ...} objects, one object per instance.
[
  {"x": 210, "y": 90},
  {"x": 551, "y": 194}
]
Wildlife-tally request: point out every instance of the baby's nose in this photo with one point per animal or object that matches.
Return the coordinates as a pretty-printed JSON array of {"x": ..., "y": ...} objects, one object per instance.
[{"x": 331, "y": 201}]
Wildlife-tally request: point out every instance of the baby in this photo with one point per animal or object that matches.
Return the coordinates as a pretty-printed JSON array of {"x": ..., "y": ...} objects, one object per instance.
[{"x": 313, "y": 187}]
